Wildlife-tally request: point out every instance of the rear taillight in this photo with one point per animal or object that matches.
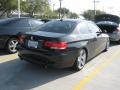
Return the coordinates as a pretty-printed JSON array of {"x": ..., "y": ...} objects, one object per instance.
[
  {"x": 117, "y": 30},
  {"x": 21, "y": 38},
  {"x": 55, "y": 45}
]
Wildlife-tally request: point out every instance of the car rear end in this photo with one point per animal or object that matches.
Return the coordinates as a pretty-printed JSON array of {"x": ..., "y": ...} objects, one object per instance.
[
  {"x": 109, "y": 24},
  {"x": 115, "y": 35},
  {"x": 47, "y": 48},
  {"x": 112, "y": 31}
]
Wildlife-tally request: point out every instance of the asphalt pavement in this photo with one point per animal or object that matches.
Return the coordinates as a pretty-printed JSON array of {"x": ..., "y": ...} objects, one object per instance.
[{"x": 101, "y": 73}]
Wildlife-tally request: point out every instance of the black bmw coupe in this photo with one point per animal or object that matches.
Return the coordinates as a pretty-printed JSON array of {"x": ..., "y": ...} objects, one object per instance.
[{"x": 63, "y": 43}]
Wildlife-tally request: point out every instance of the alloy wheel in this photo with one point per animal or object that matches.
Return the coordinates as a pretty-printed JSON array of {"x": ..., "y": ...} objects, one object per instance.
[
  {"x": 81, "y": 59},
  {"x": 12, "y": 46}
]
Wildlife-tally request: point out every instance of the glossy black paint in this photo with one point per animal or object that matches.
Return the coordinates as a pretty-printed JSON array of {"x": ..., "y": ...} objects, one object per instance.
[
  {"x": 12, "y": 26},
  {"x": 77, "y": 39}
]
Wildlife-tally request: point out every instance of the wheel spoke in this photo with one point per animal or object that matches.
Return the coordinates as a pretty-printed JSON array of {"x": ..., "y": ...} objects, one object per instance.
[
  {"x": 81, "y": 53},
  {"x": 12, "y": 42},
  {"x": 16, "y": 43},
  {"x": 14, "y": 48},
  {"x": 82, "y": 59},
  {"x": 82, "y": 62},
  {"x": 11, "y": 46}
]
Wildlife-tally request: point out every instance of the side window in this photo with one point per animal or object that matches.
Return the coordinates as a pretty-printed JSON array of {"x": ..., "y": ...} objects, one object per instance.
[
  {"x": 83, "y": 28},
  {"x": 35, "y": 23},
  {"x": 93, "y": 28}
]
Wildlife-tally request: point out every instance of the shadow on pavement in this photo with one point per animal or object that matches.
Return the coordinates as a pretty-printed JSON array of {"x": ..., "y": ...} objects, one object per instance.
[
  {"x": 114, "y": 44},
  {"x": 3, "y": 52},
  {"x": 20, "y": 75}
]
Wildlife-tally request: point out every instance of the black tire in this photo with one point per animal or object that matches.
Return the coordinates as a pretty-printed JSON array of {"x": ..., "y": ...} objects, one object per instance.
[
  {"x": 78, "y": 65},
  {"x": 11, "y": 45},
  {"x": 107, "y": 46},
  {"x": 118, "y": 41}
]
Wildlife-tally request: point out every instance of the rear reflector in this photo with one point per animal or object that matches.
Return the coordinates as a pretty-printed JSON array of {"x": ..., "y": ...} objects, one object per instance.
[{"x": 55, "y": 45}]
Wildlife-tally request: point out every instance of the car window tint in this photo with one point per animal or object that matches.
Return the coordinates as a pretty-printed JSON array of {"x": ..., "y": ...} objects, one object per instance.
[
  {"x": 58, "y": 26},
  {"x": 83, "y": 28},
  {"x": 93, "y": 28}
]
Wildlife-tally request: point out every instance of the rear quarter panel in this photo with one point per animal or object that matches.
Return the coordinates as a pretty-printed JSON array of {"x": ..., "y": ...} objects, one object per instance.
[
  {"x": 77, "y": 42},
  {"x": 3, "y": 41}
]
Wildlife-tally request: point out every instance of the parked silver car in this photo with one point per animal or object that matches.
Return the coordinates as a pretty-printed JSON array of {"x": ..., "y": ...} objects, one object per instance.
[
  {"x": 110, "y": 25},
  {"x": 115, "y": 34}
]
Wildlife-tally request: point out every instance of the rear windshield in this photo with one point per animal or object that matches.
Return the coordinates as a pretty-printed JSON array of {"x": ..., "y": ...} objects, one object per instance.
[{"x": 58, "y": 26}]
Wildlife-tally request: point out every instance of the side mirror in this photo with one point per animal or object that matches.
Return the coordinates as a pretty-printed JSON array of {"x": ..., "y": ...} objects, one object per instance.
[{"x": 99, "y": 33}]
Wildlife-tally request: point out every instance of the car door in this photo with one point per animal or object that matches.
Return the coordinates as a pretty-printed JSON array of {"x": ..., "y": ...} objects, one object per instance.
[
  {"x": 99, "y": 40},
  {"x": 86, "y": 36}
]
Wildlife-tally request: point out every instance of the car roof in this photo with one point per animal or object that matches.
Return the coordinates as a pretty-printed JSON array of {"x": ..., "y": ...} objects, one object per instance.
[
  {"x": 71, "y": 20},
  {"x": 10, "y": 20},
  {"x": 13, "y": 18},
  {"x": 16, "y": 18}
]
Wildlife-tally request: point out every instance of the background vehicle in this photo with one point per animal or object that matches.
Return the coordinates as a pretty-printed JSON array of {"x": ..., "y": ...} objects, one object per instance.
[
  {"x": 45, "y": 20},
  {"x": 9, "y": 28},
  {"x": 110, "y": 25},
  {"x": 63, "y": 43}
]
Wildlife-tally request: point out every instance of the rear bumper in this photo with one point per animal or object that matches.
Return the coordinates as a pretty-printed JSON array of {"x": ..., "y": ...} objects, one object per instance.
[
  {"x": 114, "y": 37},
  {"x": 55, "y": 59}
]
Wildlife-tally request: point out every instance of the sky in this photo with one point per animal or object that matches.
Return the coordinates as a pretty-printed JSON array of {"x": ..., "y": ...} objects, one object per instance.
[{"x": 79, "y": 6}]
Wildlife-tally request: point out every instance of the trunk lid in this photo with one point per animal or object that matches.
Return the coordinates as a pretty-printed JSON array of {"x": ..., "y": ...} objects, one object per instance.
[
  {"x": 35, "y": 40},
  {"x": 107, "y": 22},
  {"x": 107, "y": 19},
  {"x": 46, "y": 34}
]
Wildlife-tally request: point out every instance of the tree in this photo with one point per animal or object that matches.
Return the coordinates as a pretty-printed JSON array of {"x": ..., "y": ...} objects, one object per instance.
[
  {"x": 7, "y": 6},
  {"x": 73, "y": 15},
  {"x": 49, "y": 15},
  {"x": 89, "y": 14},
  {"x": 62, "y": 11},
  {"x": 31, "y": 7},
  {"x": 35, "y": 6}
]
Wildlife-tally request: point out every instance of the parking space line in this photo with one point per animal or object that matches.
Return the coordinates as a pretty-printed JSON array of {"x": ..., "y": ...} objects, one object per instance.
[
  {"x": 8, "y": 58},
  {"x": 96, "y": 71}
]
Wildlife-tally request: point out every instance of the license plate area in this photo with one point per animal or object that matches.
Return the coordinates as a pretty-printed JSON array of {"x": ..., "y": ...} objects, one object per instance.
[{"x": 32, "y": 44}]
